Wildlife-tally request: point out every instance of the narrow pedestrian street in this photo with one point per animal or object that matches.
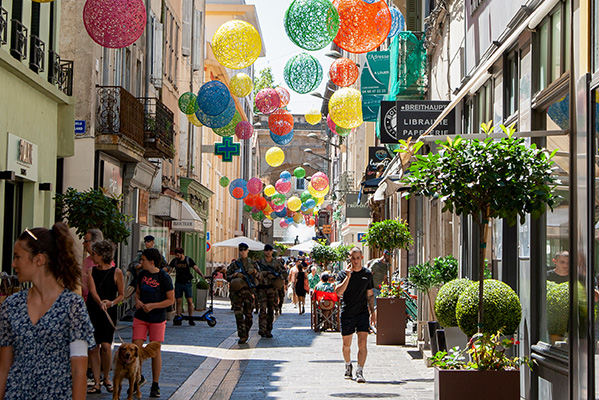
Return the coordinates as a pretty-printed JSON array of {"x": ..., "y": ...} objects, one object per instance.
[{"x": 200, "y": 362}]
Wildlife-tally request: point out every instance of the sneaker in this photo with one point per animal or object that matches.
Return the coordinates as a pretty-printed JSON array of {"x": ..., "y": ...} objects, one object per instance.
[
  {"x": 142, "y": 381},
  {"x": 192, "y": 322},
  {"x": 242, "y": 340},
  {"x": 155, "y": 390},
  {"x": 360, "y": 376},
  {"x": 348, "y": 372},
  {"x": 177, "y": 320}
]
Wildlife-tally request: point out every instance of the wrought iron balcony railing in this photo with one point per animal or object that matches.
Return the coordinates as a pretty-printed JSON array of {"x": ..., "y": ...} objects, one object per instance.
[
  {"x": 3, "y": 26},
  {"x": 158, "y": 128},
  {"x": 119, "y": 113},
  {"x": 36, "y": 54},
  {"x": 18, "y": 42},
  {"x": 60, "y": 73}
]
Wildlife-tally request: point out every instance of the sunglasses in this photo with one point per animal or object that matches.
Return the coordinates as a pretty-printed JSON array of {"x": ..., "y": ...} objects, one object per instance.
[{"x": 31, "y": 234}]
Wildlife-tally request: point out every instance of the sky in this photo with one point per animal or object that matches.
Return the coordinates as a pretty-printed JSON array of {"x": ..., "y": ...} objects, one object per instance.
[{"x": 279, "y": 49}]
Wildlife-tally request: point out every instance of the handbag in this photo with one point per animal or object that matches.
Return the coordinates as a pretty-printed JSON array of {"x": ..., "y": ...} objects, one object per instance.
[
  {"x": 290, "y": 292},
  {"x": 306, "y": 285}
]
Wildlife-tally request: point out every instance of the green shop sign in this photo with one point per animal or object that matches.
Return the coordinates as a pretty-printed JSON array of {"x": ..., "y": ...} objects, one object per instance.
[
  {"x": 370, "y": 107},
  {"x": 375, "y": 73}
]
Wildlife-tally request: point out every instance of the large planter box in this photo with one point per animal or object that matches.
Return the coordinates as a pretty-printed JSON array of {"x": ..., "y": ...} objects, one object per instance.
[
  {"x": 201, "y": 299},
  {"x": 391, "y": 321},
  {"x": 476, "y": 385}
]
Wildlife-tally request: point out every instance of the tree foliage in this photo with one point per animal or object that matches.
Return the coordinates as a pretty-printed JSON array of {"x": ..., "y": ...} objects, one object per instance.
[
  {"x": 389, "y": 235},
  {"x": 323, "y": 254},
  {"x": 263, "y": 80},
  {"x": 93, "y": 209}
]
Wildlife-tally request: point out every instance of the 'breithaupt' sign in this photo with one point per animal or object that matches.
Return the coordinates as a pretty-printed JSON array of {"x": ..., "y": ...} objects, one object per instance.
[{"x": 415, "y": 117}]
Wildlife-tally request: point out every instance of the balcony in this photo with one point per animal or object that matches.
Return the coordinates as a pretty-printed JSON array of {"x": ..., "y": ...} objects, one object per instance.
[
  {"x": 3, "y": 26},
  {"x": 60, "y": 73},
  {"x": 120, "y": 124},
  {"x": 158, "y": 128},
  {"x": 36, "y": 56},
  {"x": 18, "y": 41}
]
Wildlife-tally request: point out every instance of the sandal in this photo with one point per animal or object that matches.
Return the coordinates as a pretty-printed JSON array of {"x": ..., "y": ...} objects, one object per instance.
[
  {"x": 108, "y": 386},
  {"x": 96, "y": 389}
]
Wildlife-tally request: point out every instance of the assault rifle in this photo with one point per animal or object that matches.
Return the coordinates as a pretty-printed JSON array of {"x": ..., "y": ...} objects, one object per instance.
[
  {"x": 268, "y": 268},
  {"x": 250, "y": 280}
]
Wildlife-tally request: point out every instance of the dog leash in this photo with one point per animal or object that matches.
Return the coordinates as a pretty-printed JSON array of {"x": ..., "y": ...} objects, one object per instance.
[{"x": 112, "y": 323}]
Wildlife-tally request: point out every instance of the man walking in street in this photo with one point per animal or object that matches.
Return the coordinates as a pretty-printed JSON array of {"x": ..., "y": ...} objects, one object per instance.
[
  {"x": 380, "y": 270},
  {"x": 241, "y": 275},
  {"x": 357, "y": 308},
  {"x": 272, "y": 279},
  {"x": 182, "y": 266}
]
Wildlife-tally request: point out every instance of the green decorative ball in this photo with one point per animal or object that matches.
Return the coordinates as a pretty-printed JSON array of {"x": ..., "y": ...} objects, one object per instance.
[
  {"x": 299, "y": 172},
  {"x": 229, "y": 129},
  {"x": 558, "y": 306},
  {"x": 224, "y": 181},
  {"x": 447, "y": 299},
  {"x": 502, "y": 308},
  {"x": 247, "y": 208},
  {"x": 311, "y": 24},
  {"x": 258, "y": 216},
  {"x": 303, "y": 73}
]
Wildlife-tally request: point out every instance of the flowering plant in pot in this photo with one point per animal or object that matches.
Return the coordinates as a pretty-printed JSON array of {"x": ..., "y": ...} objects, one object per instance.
[{"x": 393, "y": 290}]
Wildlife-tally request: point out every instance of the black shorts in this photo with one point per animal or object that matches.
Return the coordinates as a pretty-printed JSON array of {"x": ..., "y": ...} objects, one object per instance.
[{"x": 357, "y": 323}]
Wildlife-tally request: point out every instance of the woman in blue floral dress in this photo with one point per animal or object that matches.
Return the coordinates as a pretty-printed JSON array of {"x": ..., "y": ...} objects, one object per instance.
[{"x": 45, "y": 331}]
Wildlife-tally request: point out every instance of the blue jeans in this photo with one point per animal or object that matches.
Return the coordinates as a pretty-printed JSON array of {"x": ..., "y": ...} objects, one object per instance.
[{"x": 376, "y": 292}]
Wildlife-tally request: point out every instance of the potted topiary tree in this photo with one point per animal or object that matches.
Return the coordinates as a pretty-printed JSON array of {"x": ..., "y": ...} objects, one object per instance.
[
  {"x": 558, "y": 305},
  {"x": 323, "y": 254},
  {"x": 445, "y": 306}
]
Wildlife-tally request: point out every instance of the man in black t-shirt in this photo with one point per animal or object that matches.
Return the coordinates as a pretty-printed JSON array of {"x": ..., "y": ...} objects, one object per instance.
[
  {"x": 561, "y": 272},
  {"x": 182, "y": 266},
  {"x": 357, "y": 309}
]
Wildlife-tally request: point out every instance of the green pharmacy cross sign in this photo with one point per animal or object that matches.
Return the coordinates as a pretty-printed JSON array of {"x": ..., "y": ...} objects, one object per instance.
[{"x": 227, "y": 149}]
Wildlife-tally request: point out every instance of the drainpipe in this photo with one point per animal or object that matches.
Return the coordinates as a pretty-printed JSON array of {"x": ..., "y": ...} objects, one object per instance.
[
  {"x": 149, "y": 32},
  {"x": 191, "y": 129}
]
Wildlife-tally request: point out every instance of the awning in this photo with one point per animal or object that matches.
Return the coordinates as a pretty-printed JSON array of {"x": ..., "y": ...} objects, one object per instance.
[
  {"x": 390, "y": 185},
  {"x": 190, "y": 221}
]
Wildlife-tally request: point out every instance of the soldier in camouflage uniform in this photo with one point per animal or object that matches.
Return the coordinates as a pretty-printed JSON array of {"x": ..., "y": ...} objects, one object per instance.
[
  {"x": 242, "y": 274},
  {"x": 272, "y": 278}
]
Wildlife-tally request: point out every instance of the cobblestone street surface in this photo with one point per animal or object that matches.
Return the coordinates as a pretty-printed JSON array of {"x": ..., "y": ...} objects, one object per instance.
[{"x": 200, "y": 362}]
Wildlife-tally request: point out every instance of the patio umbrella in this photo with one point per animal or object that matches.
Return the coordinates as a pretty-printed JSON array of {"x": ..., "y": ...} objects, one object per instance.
[
  {"x": 234, "y": 242},
  {"x": 306, "y": 247}
]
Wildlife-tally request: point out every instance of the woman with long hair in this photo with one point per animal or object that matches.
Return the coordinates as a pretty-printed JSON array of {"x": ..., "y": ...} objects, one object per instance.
[
  {"x": 301, "y": 283},
  {"x": 45, "y": 330}
]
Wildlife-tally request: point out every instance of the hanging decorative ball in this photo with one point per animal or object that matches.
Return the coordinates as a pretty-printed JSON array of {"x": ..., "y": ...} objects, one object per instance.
[
  {"x": 297, "y": 218},
  {"x": 310, "y": 203},
  {"x": 267, "y": 101},
  {"x": 188, "y": 103},
  {"x": 311, "y": 222},
  {"x": 278, "y": 199},
  {"x": 114, "y": 24},
  {"x": 283, "y": 224},
  {"x": 343, "y": 132},
  {"x": 258, "y": 216},
  {"x": 238, "y": 188},
  {"x": 279, "y": 207},
  {"x": 194, "y": 119},
  {"x": 244, "y": 130},
  {"x": 311, "y": 24},
  {"x": 284, "y": 95},
  {"x": 303, "y": 73},
  {"x": 269, "y": 190},
  {"x": 319, "y": 181},
  {"x": 319, "y": 200},
  {"x": 247, "y": 208},
  {"x": 362, "y": 27},
  {"x": 267, "y": 223},
  {"x": 275, "y": 156},
  {"x": 241, "y": 85},
  {"x": 344, "y": 72},
  {"x": 282, "y": 213},
  {"x": 299, "y": 172},
  {"x": 294, "y": 203},
  {"x": 283, "y": 186},
  {"x": 236, "y": 44},
  {"x": 217, "y": 121},
  {"x": 305, "y": 196},
  {"x": 213, "y": 98},
  {"x": 345, "y": 107},
  {"x": 285, "y": 176},
  {"x": 229, "y": 129},
  {"x": 398, "y": 22},
  {"x": 250, "y": 200},
  {"x": 289, "y": 219},
  {"x": 313, "y": 116},
  {"x": 331, "y": 124},
  {"x": 282, "y": 140},
  {"x": 261, "y": 203},
  {"x": 304, "y": 208},
  {"x": 280, "y": 122},
  {"x": 255, "y": 185},
  {"x": 316, "y": 193},
  {"x": 224, "y": 181}
]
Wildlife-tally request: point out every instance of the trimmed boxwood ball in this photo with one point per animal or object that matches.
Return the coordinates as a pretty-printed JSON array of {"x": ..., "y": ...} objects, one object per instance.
[
  {"x": 558, "y": 306},
  {"x": 447, "y": 299},
  {"x": 502, "y": 308}
]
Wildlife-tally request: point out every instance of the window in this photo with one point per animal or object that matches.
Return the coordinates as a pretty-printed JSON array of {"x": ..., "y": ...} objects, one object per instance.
[
  {"x": 511, "y": 79},
  {"x": 479, "y": 109},
  {"x": 553, "y": 46},
  {"x": 595, "y": 41}
]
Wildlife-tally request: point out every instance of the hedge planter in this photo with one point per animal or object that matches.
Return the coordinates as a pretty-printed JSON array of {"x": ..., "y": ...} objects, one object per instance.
[
  {"x": 451, "y": 384},
  {"x": 391, "y": 321}
]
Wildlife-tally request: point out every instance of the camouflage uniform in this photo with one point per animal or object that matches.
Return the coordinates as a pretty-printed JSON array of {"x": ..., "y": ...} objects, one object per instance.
[
  {"x": 242, "y": 296},
  {"x": 267, "y": 293}
]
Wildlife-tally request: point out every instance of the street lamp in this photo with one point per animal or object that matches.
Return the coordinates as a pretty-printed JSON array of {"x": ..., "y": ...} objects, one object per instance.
[
  {"x": 315, "y": 136},
  {"x": 309, "y": 151}
]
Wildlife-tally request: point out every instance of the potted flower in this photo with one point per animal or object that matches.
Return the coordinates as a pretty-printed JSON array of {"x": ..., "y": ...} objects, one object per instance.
[
  {"x": 488, "y": 373},
  {"x": 391, "y": 315}
]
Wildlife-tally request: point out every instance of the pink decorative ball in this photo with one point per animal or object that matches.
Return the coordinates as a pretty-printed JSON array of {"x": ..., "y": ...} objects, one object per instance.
[
  {"x": 244, "y": 130},
  {"x": 267, "y": 101},
  {"x": 114, "y": 24},
  {"x": 279, "y": 207},
  {"x": 284, "y": 96},
  {"x": 283, "y": 186},
  {"x": 332, "y": 126},
  {"x": 283, "y": 224},
  {"x": 319, "y": 181},
  {"x": 254, "y": 185}
]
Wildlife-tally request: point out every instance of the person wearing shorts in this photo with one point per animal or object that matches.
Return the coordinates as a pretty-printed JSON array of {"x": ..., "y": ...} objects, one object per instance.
[
  {"x": 182, "y": 265},
  {"x": 154, "y": 294},
  {"x": 357, "y": 309}
]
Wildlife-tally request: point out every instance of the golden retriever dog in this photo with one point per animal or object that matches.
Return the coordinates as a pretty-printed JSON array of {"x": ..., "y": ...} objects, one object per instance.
[{"x": 127, "y": 365}]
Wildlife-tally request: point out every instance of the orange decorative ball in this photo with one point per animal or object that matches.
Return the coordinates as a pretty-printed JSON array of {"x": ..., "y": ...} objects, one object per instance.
[
  {"x": 344, "y": 72},
  {"x": 280, "y": 122},
  {"x": 362, "y": 26}
]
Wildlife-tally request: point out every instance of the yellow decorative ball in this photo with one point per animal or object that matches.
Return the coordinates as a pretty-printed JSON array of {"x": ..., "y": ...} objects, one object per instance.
[
  {"x": 241, "y": 85},
  {"x": 294, "y": 203},
  {"x": 345, "y": 108},
  {"x": 236, "y": 44},
  {"x": 313, "y": 116},
  {"x": 193, "y": 119},
  {"x": 275, "y": 156},
  {"x": 320, "y": 201},
  {"x": 269, "y": 190},
  {"x": 297, "y": 218},
  {"x": 318, "y": 194}
]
